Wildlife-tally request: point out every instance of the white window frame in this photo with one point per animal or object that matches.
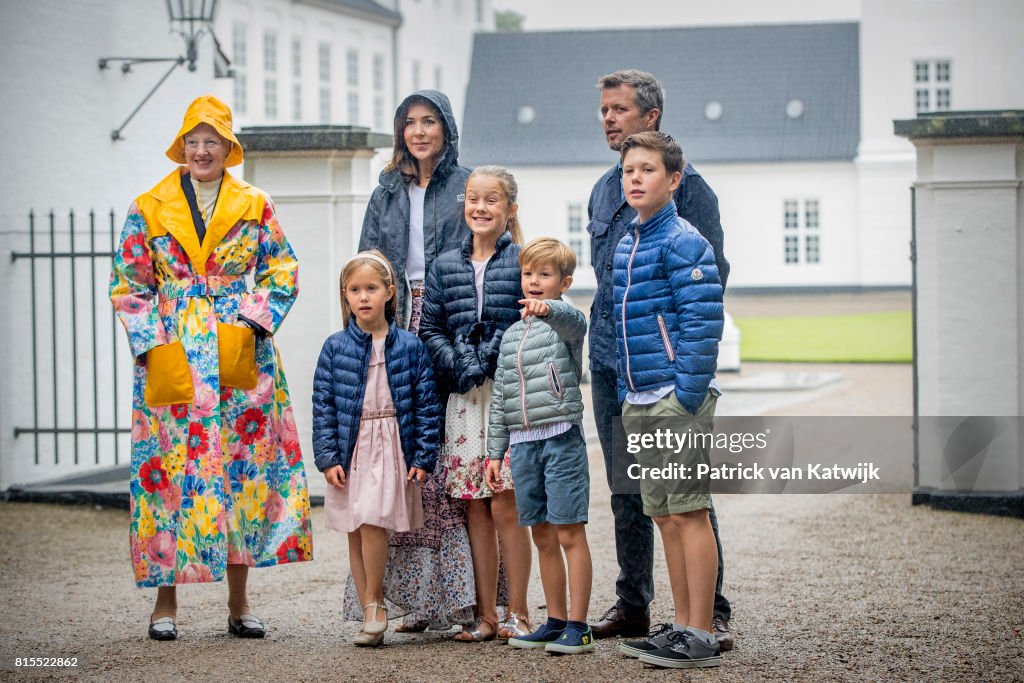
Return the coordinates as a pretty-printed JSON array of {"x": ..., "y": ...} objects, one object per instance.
[
  {"x": 353, "y": 108},
  {"x": 323, "y": 57},
  {"x": 269, "y": 51},
  {"x": 352, "y": 67},
  {"x": 240, "y": 58},
  {"x": 801, "y": 231},
  {"x": 378, "y": 72},
  {"x": 933, "y": 90},
  {"x": 270, "y": 97}
]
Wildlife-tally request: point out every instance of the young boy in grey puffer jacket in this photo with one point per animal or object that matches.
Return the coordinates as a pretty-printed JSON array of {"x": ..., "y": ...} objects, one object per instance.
[{"x": 537, "y": 408}]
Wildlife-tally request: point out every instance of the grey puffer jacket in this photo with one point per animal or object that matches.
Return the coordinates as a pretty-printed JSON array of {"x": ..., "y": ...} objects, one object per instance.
[
  {"x": 386, "y": 222},
  {"x": 537, "y": 381}
]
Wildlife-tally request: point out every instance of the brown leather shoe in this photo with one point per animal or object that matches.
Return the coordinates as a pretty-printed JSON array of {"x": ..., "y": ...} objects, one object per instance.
[
  {"x": 621, "y": 621},
  {"x": 720, "y": 627}
]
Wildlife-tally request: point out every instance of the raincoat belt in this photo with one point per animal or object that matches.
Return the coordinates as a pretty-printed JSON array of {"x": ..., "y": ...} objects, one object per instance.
[{"x": 202, "y": 285}]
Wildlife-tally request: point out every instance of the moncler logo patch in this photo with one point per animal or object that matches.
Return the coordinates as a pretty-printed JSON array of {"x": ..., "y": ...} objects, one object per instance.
[
  {"x": 460, "y": 198},
  {"x": 696, "y": 274}
]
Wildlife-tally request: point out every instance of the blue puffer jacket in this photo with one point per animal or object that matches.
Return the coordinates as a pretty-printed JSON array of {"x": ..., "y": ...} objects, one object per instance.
[
  {"x": 668, "y": 308},
  {"x": 459, "y": 344},
  {"x": 339, "y": 384}
]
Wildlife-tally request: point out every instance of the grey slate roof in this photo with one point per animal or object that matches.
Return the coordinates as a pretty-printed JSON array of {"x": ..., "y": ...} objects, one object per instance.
[
  {"x": 752, "y": 70},
  {"x": 367, "y": 8}
]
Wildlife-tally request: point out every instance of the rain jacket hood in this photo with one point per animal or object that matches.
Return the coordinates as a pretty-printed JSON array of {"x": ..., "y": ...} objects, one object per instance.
[
  {"x": 207, "y": 109},
  {"x": 450, "y": 155}
]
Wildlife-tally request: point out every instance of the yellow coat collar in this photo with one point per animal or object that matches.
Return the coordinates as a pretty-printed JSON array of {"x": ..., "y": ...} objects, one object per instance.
[{"x": 238, "y": 201}]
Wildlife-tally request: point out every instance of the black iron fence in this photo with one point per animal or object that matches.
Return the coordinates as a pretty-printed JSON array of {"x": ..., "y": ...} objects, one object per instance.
[{"x": 74, "y": 337}]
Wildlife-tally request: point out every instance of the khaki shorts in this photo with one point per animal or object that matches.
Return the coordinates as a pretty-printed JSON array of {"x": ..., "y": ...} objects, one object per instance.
[{"x": 672, "y": 497}]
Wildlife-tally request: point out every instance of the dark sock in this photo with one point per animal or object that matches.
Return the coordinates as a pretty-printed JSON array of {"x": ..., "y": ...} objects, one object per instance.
[
  {"x": 578, "y": 625},
  {"x": 557, "y": 624}
]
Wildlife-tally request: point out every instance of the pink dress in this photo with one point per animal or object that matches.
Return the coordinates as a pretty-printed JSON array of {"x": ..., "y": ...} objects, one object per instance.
[{"x": 376, "y": 491}]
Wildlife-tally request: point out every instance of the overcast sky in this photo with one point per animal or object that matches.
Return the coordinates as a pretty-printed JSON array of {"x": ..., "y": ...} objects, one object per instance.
[{"x": 586, "y": 14}]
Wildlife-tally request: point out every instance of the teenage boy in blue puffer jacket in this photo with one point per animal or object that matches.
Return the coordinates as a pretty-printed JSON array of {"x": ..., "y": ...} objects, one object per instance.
[{"x": 668, "y": 320}]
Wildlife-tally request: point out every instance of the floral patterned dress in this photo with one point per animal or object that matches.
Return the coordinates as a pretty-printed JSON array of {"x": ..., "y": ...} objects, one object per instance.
[{"x": 218, "y": 477}]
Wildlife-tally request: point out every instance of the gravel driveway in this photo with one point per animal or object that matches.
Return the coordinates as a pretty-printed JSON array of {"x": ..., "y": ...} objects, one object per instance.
[{"x": 829, "y": 587}]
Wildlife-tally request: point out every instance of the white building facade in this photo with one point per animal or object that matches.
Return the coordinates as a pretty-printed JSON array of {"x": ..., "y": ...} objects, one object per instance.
[
  {"x": 338, "y": 62},
  {"x": 835, "y": 213}
]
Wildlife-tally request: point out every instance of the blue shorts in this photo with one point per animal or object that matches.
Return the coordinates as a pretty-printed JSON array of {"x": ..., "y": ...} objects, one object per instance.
[{"x": 552, "y": 479}]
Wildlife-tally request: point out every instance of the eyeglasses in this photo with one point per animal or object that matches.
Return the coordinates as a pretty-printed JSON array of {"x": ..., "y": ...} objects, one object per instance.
[{"x": 193, "y": 145}]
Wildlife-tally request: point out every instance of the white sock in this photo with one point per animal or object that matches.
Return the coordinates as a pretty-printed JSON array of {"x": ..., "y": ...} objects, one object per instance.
[{"x": 678, "y": 627}]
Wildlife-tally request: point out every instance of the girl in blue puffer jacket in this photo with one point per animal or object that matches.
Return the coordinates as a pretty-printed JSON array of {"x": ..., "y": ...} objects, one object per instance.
[
  {"x": 471, "y": 297},
  {"x": 375, "y": 431}
]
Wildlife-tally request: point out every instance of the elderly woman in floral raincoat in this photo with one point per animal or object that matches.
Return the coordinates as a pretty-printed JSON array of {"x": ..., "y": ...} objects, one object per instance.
[{"x": 217, "y": 482}]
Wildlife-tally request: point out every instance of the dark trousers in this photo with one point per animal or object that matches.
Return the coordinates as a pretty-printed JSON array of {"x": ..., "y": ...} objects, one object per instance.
[{"x": 634, "y": 531}]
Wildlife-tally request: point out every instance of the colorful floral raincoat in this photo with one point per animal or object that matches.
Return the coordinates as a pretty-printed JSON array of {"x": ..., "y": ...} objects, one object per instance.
[{"x": 216, "y": 471}]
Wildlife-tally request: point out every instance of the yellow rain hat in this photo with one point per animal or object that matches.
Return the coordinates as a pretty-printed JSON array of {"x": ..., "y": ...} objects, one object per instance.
[{"x": 206, "y": 109}]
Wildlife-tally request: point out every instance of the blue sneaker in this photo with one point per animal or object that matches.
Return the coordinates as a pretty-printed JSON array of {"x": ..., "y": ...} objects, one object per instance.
[
  {"x": 573, "y": 641},
  {"x": 539, "y": 639}
]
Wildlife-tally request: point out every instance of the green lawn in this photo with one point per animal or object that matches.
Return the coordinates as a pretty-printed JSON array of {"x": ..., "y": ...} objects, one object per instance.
[{"x": 860, "y": 338}]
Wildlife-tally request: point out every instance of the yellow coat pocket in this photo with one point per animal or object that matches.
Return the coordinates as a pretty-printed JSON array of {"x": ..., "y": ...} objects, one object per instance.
[
  {"x": 168, "y": 380},
  {"x": 236, "y": 349}
]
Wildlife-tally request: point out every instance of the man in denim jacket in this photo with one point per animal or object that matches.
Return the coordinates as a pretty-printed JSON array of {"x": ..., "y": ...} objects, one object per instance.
[{"x": 632, "y": 102}]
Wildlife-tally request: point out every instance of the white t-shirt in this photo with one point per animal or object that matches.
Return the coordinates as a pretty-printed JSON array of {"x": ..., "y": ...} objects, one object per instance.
[
  {"x": 415, "y": 263},
  {"x": 478, "y": 276}
]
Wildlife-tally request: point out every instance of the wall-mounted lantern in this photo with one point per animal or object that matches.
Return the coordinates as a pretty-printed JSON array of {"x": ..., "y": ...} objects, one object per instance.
[{"x": 190, "y": 19}]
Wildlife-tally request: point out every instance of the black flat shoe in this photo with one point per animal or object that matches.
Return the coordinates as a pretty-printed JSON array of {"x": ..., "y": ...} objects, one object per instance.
[
  {"x": 163, "y": 629},
  {"x": 246, "y": 626}
]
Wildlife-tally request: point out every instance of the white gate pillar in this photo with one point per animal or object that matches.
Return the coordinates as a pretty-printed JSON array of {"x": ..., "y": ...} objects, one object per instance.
[
  {"x": 319, "y": 178},
  {"x": 969, "y": 304}
]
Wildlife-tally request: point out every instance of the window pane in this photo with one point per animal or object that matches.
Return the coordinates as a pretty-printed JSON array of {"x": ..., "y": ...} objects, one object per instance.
[
  {"x": 352, "y": 61},
  {"x": 575, "y": 218},
  {"x": 269, "y": 52},
  {"x": 296, "y": 58},
  {"x": 238, "y": 45},
  {"x": 415, "y": 75},
  {"x": 240, "y": 94},
  {"x": 378, "y": 72},
  {"x": 791, "y": 255},
  {"x": 437, "y": 78},
  {"x": 353, "y": 109},
  {"x": 790, "y": 213},
  {"x": 942, "y": 72},
  {"x": 942, "y": 99},
  {"x": 921, "y": 101},
  {"x": 296, "y": 101},
  {"x": 325, "y": 63},
  {"x": 811, "y": 213},
  {"x": 378, "y": 112},
  {"x": 325, "y": 104},
  {"x": 270, "y": 98},
  {"x": 813, "y": 248},
  {"x": 920, "y": 72}
]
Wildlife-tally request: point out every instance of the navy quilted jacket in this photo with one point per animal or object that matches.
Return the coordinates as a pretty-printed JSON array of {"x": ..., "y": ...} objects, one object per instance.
[
  {"x": 668, "y": 308},
  {"x": 449, "y": 326},
  {"x": 338, "y": 388}
]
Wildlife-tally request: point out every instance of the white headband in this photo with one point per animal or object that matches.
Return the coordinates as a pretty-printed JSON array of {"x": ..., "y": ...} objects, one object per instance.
[{"x": 373, "y": 257}]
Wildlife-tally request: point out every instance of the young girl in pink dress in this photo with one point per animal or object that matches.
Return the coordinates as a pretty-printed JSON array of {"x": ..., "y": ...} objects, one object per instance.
[{"x": 375, "y": 429}]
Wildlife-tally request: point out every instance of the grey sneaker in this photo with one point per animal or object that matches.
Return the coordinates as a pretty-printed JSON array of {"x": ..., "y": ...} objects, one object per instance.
[
  {"x": 684, "y": 651},
  {"x": 657, "y": 638}
]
